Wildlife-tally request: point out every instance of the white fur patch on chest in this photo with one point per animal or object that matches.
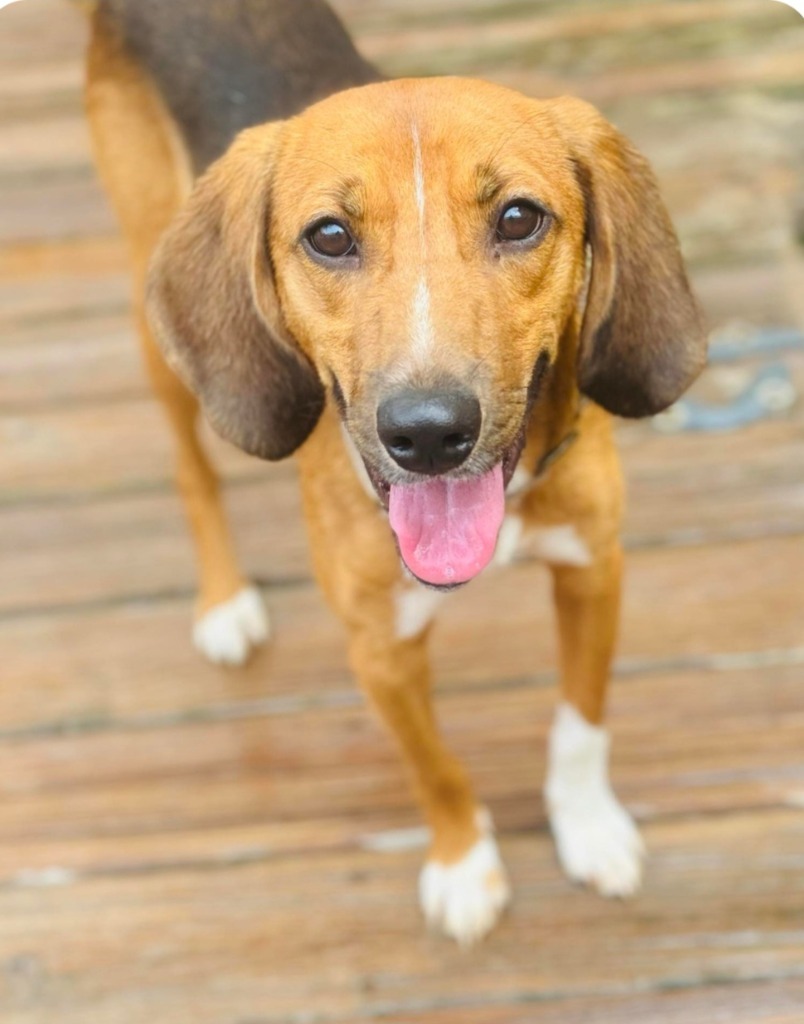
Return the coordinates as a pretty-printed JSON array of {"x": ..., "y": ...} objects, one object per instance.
[
  {"x": 415, "y": 608},
  {"x": 561, "y": 545},
  {"x": 519, "y": 482},
  {"x": 508, "y": 540}
]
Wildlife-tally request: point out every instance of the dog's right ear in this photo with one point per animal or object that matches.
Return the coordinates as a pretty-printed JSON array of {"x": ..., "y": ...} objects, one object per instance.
[
  {"x": 213, "y": 307},
  {"x": 642, "y": 340}
]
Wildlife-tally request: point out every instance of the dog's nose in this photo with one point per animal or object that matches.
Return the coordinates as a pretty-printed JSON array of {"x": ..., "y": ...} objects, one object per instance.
[{"x": 429, "y": 431}]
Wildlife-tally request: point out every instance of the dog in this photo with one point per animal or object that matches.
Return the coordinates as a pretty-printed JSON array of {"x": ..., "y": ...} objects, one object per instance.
[{"x": 436, "y": 293}]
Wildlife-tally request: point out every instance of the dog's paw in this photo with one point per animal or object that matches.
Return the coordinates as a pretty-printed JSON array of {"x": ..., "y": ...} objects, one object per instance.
[
  {"x": 227, "y": 633},
  {"x": 597, "y": 841},
  {"x": 465, "y": 899},
  {"x": 599, "y": 845}
]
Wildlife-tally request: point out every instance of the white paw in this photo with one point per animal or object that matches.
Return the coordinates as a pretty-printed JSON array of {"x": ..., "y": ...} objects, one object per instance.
[
  {"x": 465, "y": 899},
  {"x": 227, "y": 633},
  {"x": 597, "y": 841},
  {"x": 599, "y": 845}
]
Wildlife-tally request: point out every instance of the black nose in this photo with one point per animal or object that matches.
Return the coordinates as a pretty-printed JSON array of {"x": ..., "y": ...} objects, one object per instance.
[{"x": 429, "y": 431}]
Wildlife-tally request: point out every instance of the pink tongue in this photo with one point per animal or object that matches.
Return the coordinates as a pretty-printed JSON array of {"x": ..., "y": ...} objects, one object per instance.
[{"x": 447, "y": 529}]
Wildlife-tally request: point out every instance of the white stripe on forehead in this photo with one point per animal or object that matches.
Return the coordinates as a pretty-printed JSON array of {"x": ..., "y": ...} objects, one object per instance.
[
  {"x": 422, "y": 326},
  {"x": 422, "y": 334},
  {"x": 418, "y": 175}
]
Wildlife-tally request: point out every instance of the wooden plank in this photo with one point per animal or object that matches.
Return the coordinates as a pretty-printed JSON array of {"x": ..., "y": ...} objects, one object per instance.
[
  {"x": 137, "y": 658},
  {"x": 666, "y": 21},
  {"x": 110, "y": 445},
  {"x": 753, "y": 293},
  {"x": 127, "y": 546},
  {"x": 89, "y": 359},
  {"x": 42, "y": 87},
  {"x": 551, "y": 20},
  {"x": 67, "y": 206},
  {"x": 101, "y": 256},
  {"x": 274, "y": 779},
  {"x": 696, "y": 147},
  {"x": 605, "y": 52},
  {"x": 738, "y": 1002},
  {"x": 55, "y": 146},
  {"x": 212, "y": 945},
  {"x": 763, "y": 71},
  {"x": 44, "y": 27},
  {"x": 121, "y": 661},
  {"x": 56, "y": 297}
]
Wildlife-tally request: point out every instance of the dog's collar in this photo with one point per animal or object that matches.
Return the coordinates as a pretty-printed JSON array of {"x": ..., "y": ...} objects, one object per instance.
[{"x": 552, "y": 455}]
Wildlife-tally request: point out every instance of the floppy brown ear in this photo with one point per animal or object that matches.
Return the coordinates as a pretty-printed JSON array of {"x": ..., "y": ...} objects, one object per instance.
[
  {"x": 215, "y": 313},
  {"x": 642, "y": 338}
]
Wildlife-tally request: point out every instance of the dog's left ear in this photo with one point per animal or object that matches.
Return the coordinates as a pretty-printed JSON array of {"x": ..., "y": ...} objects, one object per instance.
[
  {"x": 214, "y": 310},
  {"x": 642, "y": 338}
]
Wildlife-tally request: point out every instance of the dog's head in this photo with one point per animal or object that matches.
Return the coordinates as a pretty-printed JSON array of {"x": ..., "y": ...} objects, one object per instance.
[{"x": 419, "y": 249}]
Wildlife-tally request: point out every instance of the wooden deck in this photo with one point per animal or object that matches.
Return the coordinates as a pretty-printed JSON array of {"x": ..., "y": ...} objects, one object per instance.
[{"x": 186, "y": 845}]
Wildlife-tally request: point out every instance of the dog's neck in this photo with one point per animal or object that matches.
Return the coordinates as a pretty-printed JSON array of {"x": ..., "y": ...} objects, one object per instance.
[{"x": 556, "y": 411}]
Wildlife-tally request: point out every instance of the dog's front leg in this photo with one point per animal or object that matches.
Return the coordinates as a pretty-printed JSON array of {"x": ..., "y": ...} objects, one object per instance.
[
  {"x": 597, "y": 841},
  {"x": 463, "y": 887}
]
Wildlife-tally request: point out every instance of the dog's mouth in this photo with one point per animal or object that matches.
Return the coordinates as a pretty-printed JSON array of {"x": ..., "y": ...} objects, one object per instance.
[{"x": 446, "y": 526}]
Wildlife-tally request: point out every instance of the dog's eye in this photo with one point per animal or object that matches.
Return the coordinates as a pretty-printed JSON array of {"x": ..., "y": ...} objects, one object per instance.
[
  {"x": 519, "y": 220},
  {"x": 330, "y": 238}
]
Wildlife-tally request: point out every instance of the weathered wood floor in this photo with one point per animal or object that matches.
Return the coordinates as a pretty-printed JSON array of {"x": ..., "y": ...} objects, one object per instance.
[{"x": 185, "y": 845}]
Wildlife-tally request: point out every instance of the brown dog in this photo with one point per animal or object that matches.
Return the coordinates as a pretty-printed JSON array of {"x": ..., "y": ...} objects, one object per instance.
[{"x": 435, "y": 292}]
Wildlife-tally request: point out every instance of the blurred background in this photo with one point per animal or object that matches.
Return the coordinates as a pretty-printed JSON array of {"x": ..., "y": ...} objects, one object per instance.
[{"x": 181, "y": 843}]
